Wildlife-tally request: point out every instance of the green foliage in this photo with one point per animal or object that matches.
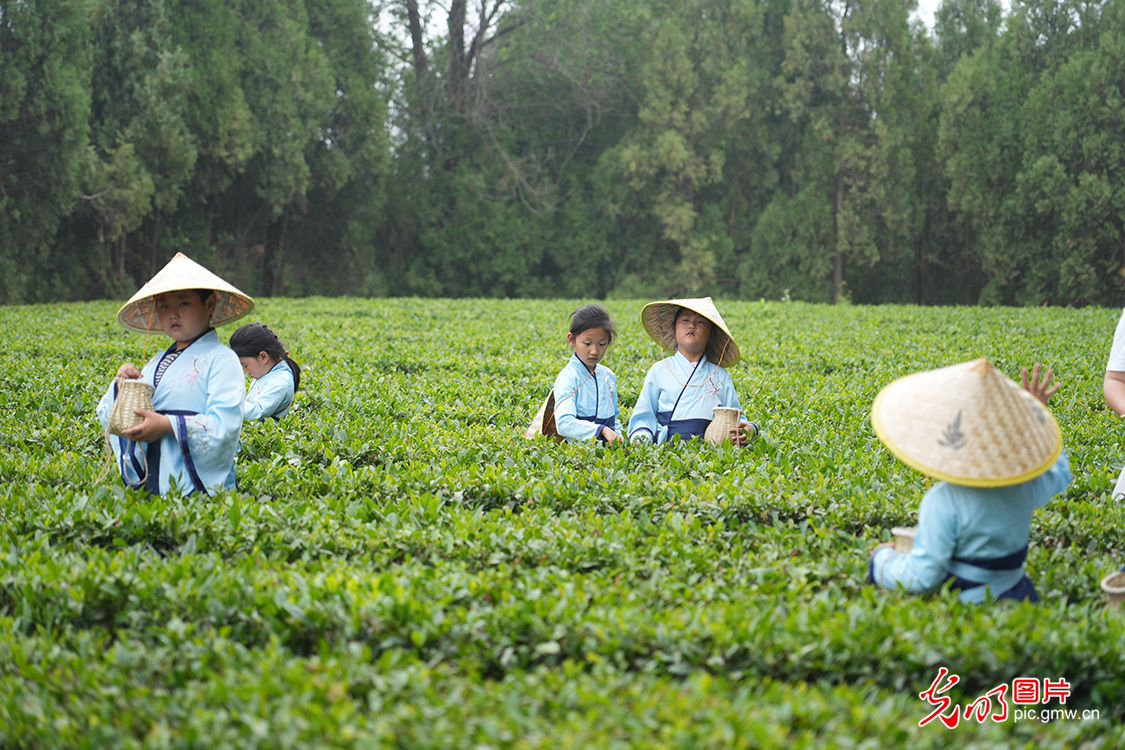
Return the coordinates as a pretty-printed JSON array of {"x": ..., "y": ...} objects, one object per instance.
[
  {"x": 44, "y": 120},
  {"x": 535, "y": 148},
  {"x": 401, "y": 567},
  {"x": 1028, "y": 159}
]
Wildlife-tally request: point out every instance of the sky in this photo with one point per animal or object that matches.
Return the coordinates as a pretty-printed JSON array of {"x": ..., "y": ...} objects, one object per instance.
[{"x": 926, "y": 10}]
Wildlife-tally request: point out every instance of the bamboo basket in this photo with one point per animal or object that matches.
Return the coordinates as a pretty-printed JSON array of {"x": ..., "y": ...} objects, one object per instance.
[
  {"x": 1114, "y": 587},
  {"x": 904, "y": 538},
  {"x": 131, "y": 394},
  {"x": 725, "y": 419}
]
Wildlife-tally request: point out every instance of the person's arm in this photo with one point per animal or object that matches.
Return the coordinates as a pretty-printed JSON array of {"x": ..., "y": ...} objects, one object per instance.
[
  {"x": 1057, "y": 478},
  {"x": 210, "y": 439},
  {"x": 1113, "y": 388},
  {"x": 642, "y": 422},
  {"x": 566, "y": 407},
  {"x": 924, "y": 568},
  {"x": 1113, "y": 385},
  {"x": 152, "y": 427},
  {"x": 270, "y": 396},
  {"x": 105, "y": 405},
  {"x": 1053, "y": 481}
]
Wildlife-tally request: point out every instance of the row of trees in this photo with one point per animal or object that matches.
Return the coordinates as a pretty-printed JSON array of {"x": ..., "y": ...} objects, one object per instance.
[{"x": 820, "y": 149}]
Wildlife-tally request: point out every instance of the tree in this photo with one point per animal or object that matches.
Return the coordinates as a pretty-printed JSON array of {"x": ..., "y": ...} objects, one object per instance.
[
  {"x": 846, "y": 87},
  {"x": 699, "y": 82},
  {"x": 142, "y": 151},
  {"x": 491, "y": 130},
  {"x": 1002, "y": 180},
  {"x": 44, "y": 110},
  {"x": 1073, "y": 166}
]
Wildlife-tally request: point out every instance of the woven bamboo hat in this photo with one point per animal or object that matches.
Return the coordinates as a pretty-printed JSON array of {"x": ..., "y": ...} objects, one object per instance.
[
  {"x": 659, "y": 319},
  {"x": 139, "y": 313},
  {"x": 968, "y": 424}
]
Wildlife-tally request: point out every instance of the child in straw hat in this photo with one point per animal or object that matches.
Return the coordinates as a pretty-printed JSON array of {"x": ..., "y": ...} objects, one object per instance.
[
  {"x": 276, "y": 376},
  {"x": 680, "y": 392},
  {"x": 585, "y": 390},
  {"x": 1000, "y": 453},
  {"x": 190, "y": 437}
]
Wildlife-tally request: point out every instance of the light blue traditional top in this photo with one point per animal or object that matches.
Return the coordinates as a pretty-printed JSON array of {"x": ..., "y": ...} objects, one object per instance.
[
  {"x": 270, "y": 395},
  {"x": 975, "y": 534},
  {"x": 585, "y": 402},
  {"x": 666, "y": 407},
  {"x": 201, "y": 392}
]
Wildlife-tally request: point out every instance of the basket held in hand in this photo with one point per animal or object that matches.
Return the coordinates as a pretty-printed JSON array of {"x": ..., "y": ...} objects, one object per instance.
[
  {"x": 724, "y": 420},
  {"x": 131, "y": 394}
]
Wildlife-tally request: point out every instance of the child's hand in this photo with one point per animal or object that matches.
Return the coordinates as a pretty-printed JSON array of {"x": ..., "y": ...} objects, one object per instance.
[
  {"x": 128, "y": 371},
  {"x": 884, "y": 545},
  {"x": 1038, "y": 388},
  {"x": 744, "y": 433},
  {"x": 154, "y": 427},
  {"x": 611, "y": 436}
]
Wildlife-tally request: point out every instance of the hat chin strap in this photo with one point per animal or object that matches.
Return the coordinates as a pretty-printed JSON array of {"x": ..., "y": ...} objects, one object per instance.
[{"x": 723, "y": 353}]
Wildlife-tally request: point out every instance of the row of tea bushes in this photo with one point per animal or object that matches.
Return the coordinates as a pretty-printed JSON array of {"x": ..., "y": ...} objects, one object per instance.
[{"x": 400, "y": 568}]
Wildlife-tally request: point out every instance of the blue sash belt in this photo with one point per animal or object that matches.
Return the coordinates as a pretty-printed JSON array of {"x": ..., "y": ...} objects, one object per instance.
[
  {"x": 601, "y": 422},
  {"x": 1007, "y": 562},
  {"x": 1025, "y": 589},
  {"x": 685, "y": 428},
  {"x": 1022, "y": 591}
]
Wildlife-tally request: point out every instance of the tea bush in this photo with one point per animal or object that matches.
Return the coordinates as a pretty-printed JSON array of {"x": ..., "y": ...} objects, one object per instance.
[{"x": 399, "y": 567}]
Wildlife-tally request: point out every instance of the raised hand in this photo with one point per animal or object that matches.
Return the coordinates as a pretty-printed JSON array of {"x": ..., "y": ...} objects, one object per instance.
[{"x": 1036, "y": 387}]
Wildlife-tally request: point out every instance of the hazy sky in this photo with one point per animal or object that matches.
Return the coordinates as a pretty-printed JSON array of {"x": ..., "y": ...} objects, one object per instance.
[{"x": 926, "y": 10}]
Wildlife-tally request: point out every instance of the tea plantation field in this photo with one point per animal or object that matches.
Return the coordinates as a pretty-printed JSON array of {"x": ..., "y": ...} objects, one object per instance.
[{"x": 401, "y": 568}]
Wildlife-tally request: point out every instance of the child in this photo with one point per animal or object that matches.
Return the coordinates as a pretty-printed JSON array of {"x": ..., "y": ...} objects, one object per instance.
[
  {"x": 680, "y": 392},
  {"x": 191, "y": 437},
  {"x": 586, "y": 391},
  {"x": 276, "y": 376},
  {"x": 1000, "y": 453},
  {"x": 1113, "y": 388}
]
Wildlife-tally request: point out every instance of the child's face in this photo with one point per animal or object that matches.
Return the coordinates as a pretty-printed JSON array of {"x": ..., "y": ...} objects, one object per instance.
[
  {"x": 693, "y": 331},
  {"x": 258, "y": 366},
  {"x": 590, "y": 345},
  {"x": 184, "y": 316}
]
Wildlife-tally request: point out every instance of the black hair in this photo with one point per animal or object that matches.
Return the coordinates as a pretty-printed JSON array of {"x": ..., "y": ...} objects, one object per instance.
[
  {"x": 252, "y": 338},
  {"x": 591, "y": 316},
  {"x": 204, "y": 294}
]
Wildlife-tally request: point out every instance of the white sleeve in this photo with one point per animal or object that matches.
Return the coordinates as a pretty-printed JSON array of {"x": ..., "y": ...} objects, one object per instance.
[{"x": 1116, "y": 361}]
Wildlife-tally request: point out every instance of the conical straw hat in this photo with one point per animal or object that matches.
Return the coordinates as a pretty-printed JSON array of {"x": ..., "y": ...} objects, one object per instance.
[
  {"x": 139, "y": 313},
  {"x": 968, "y": 424},
  {"x": 659, "y": 319}
]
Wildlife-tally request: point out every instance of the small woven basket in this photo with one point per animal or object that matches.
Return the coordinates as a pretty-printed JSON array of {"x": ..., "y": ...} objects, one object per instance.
[
  {"x": 724, "y": 420},
  {"x": 904, "y": 538},
  {"x": 131, "y": 394},
  {"x": 1114, "y": 587}
]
